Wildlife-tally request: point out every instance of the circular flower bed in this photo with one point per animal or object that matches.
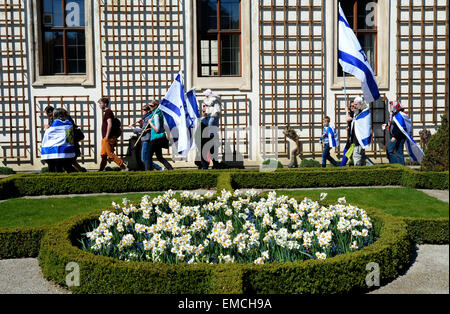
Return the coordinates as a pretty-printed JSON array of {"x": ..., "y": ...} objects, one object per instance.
[
  {"x": 343, "y": 273},
  {"x": 230, "y": 227}
]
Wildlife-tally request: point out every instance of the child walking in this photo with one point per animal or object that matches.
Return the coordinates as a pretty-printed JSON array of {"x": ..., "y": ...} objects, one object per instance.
[{"x": 329, "y": 140}]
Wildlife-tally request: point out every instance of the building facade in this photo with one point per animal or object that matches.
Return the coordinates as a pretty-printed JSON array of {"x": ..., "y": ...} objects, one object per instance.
[{"x": 273, "y": 62}]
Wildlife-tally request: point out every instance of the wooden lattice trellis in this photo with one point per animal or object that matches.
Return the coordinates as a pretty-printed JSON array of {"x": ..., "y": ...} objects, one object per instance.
[
  {"x": 80, "y": 109},
  {"x": 291, "y": 64},
  {"x": 423, "y": 60},
  {"x": 13, "y": 94},
  {"x": 141, "y": 47}
]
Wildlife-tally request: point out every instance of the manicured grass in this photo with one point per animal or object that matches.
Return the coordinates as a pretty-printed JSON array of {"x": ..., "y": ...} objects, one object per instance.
[
  {"x": 23, "y": 212},
  {"x": 405, "y": 202}
]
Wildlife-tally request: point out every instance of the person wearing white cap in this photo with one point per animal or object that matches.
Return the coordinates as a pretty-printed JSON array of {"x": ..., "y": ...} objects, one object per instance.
[{"x": 211, "y": 118}]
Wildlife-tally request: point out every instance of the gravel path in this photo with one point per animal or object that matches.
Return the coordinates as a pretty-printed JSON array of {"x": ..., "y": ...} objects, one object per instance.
[
  {"x": 428, "y": 274},
  {"x": 24, "y": 276}
]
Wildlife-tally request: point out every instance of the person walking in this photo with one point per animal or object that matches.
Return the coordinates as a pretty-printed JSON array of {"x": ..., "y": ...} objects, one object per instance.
[
  {"x": 58, "y": 143},
  {"x": 348, "y": 144},
  {"x": 359, "y": 153},
  {"x": 328, "y": 140},
  {"x": 109, "y": 138},
  {"x": 142, "y": 127},
  {"x": 212, "y": 107},
  {"x": 158, "y": 139}
]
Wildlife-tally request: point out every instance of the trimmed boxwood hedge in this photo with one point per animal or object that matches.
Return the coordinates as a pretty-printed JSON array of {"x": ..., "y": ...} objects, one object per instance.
[
  {"x": 24, "y": 242},
  {"x": 430, "y": 231},
  {"x": 334, "y": 177},
  {"x": 106, "y": 182},
  {"x": 115, "y": 182},
  {"x": 340, "y": 274},
  {"x": 20, "y": 242}
]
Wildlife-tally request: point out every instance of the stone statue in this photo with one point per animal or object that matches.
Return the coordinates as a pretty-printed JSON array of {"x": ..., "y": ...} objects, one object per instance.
[{"x": 290, "y": 133}]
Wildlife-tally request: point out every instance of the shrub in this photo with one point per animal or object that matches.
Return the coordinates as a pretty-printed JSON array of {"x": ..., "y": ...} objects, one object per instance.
[
  {"x": 436, "y": 152},
  {"x": 341, "y": 274},
  {"x": 44, "y": 170},
  {"x": 20, "y": 242},
  {"x": 425, "y": 180},
  {"x": 272, "y": 162},
  {"x": 108, "y": 182},
  {"x": 310, "y": 163},
  {"x": 431, "y": 231},
  {"x": 6, "y": 170},
  {"x": 320, "y": 177}
]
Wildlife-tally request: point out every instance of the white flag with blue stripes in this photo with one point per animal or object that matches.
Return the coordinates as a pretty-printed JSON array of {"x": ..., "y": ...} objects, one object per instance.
[
  {"x": 193, "y": 115},
  {"x": 173, "y": 107},
  {"x": 405, "y": 125},
  {"x": 333, "y": 139},
  {"x": 58, "y": 141},
  {"x": 362, "y": 125},
  {"x": 354, "y": 61}
]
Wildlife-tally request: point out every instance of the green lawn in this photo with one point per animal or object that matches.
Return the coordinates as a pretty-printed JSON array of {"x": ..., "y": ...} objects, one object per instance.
[
  {"x": 22, "y": 212},
  {"x": 405, "y": 202}
]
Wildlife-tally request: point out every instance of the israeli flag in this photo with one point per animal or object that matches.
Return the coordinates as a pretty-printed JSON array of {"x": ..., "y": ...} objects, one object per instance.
[
  {"x": 333, "y": 139},
  {"x": 362, "y": 125},
  {"x": 193, "y": 115},
  {"x": 405, "y": 125},
  {"x": 173, "y": 107},
  {"x": 58, "y": 141},
  {"x": 354, "y": 61}
]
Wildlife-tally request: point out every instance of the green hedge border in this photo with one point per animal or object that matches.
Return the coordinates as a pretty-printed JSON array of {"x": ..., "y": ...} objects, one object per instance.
[
  {"x": 24, "y": 242},
  {"x": 341, "y": 274}
]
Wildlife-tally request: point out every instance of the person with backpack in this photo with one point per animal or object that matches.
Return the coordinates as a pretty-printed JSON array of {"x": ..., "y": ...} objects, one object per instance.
[
  {"x": 110, "y": 132},
  {"x": 57, "y": 148}
]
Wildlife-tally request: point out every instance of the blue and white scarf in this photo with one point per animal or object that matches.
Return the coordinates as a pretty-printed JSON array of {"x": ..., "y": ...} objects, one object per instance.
[
  {"x": 362, "y": 124},
  {"x": 58, "y": 141},
  {"x": 405, "y": 125}
]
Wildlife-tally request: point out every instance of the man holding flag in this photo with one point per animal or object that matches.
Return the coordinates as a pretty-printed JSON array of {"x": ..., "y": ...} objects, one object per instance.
[
  {"x": 181, "y": 116},
  {"x": 354, "y": 61}
]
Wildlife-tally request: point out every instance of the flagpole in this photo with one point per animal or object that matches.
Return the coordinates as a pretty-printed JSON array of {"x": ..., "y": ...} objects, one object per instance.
[
  {"x": 345, "y": 93},
  {"x": 145, "y": 128}
]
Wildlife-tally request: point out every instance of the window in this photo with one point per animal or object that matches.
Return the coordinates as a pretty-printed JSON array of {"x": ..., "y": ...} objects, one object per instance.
[
  {"x": 219, "y": 40},
  {"x": 63, "y": 35},
  {"x": 361, "y": 16},
  {"x": 62, "y": 42}
]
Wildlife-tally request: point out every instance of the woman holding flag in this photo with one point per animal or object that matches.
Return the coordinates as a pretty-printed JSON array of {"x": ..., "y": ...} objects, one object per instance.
[
  {"x": 141, "y": 127},
  {"x": 158, "y": 139}
]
